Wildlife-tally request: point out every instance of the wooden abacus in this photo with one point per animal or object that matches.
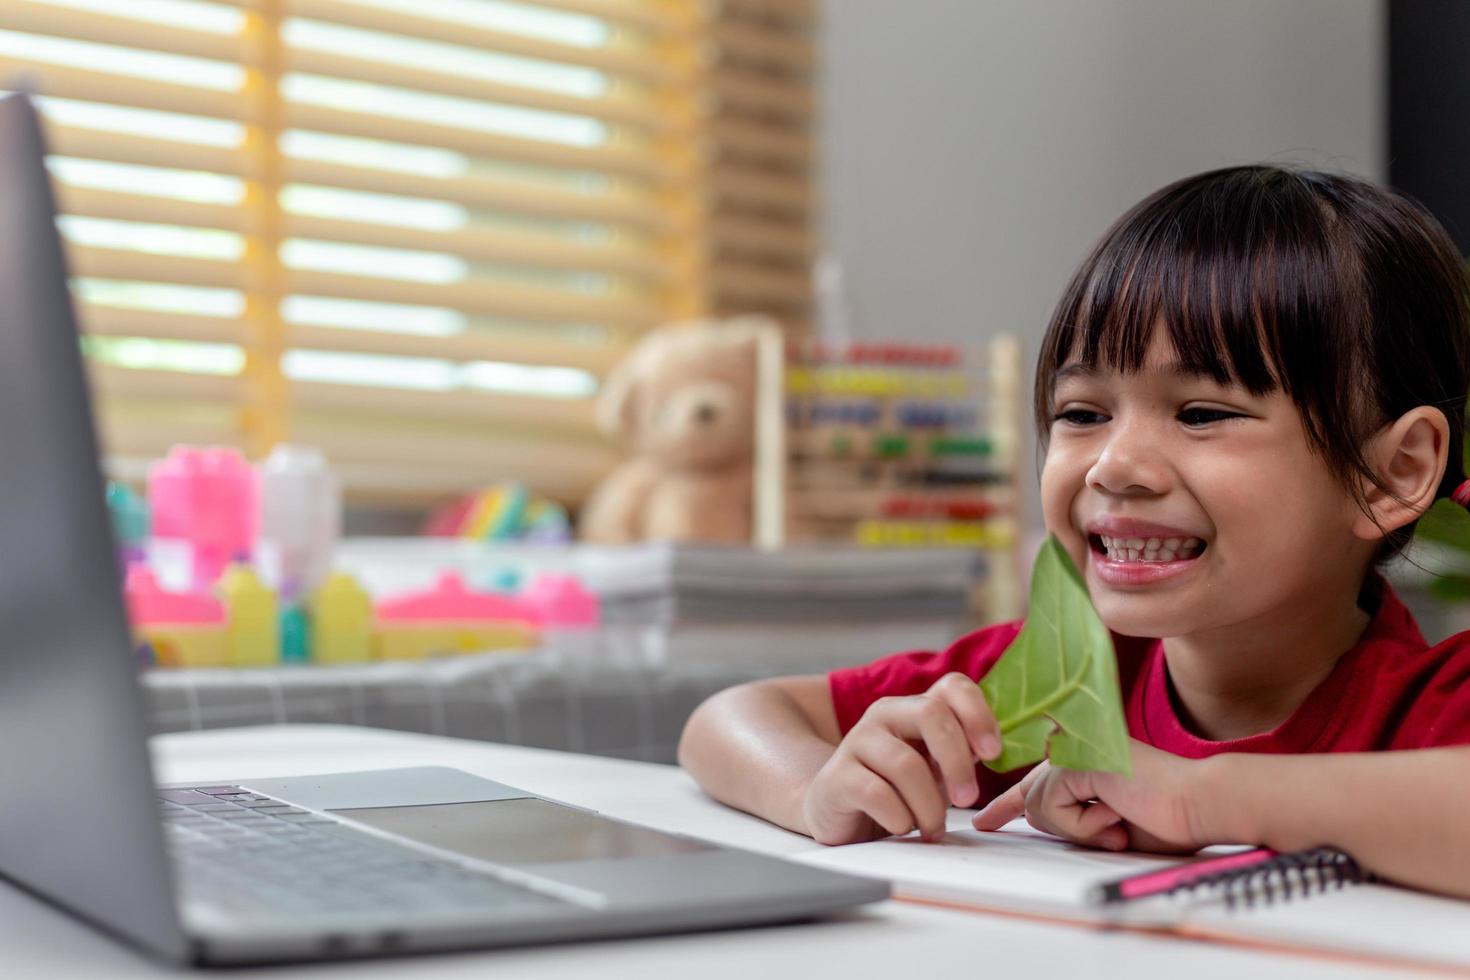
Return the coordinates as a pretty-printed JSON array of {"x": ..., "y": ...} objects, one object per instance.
[{"x": 894, "y": 446}]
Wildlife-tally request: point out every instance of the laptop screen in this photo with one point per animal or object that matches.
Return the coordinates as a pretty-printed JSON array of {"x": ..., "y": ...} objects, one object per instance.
[{"x": 76, "y": 789}]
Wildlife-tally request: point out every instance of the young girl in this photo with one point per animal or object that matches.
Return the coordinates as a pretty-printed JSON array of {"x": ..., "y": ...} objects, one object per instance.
[{"x": 1249, "y": 393}]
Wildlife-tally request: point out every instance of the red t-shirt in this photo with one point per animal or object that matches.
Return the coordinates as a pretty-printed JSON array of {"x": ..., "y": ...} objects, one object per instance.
[{"x": 1390, "y": 691}]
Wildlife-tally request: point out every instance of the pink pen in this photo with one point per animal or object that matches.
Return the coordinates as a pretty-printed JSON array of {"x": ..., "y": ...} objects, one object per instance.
[{"x": 1179, "y": 876}]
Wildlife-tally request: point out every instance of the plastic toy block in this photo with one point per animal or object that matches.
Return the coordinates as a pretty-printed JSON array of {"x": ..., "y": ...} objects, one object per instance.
[
  {"x": 561, "y": 602},
  {"x": 187, "y": 646},
  {"x": 183, "y": 630},
  {"x": 449, "y": 618},
  {"x": 451, "y": 601},
  {"x": 412, "y": 641},
  {"x": 300, "y": 519},
  {"x": 150, "y": 605},
  {"x": 253, "y": 622},
  {"x": 341, "y": 621},
  {"x": 889, "y": 447},
  {"x": 207, "y": 500},
  {"x": 959, "y": 446},
  {"x": 295, "y": 636},
  {"x": 129, "y": 514},
  {"x": 498, "y": 512}
]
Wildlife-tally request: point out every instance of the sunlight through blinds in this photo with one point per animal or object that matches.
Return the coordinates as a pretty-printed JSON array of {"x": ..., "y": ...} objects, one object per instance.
[{"x": 415, "y": 233}]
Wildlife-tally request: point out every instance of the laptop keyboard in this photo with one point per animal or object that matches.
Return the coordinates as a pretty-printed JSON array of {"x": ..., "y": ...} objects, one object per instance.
[{"x": 249, "y": 854}]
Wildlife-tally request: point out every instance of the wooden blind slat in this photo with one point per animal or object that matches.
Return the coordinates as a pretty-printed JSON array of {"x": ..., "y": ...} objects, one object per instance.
[
  {"x": 541, "y": 251},
  {"x": 112, "y": 88},
  {"x": 469, "y": 346},
  {"x": 100, "y": 320},
  {"x": 30, "y": 17},
  {"x": 791, "y": 243},
  {"x": 627, "y": 13},
  {"x": 426, "y": 78},
  {"x": 111, "y": 381},
  {"x": 389, "y": 485},
  {"x": 125, "y": 431},
  {"x": 148, "y": 151},
  {"x": 763, "y": 286},
  {"x": 752, "y": 43},
  {"x": 760, "y": 190},
  {"x": 754, "y": 141},
  {"x": 116, "y": 263},
  {"x": 621, "y": 208},
  {"x": 625, "y": 63},
  {"x": 635, "y": 163},
  {"x": 426, "y": 463},
  {"x": 754, "y": 92},
  {"x": 474, "y": 345},
  {"x": 474, "y": 297},
  {"x": 795, "y": 14},
  {"x": 452, "y": 407},
  {"x": 124, "y": 206}
]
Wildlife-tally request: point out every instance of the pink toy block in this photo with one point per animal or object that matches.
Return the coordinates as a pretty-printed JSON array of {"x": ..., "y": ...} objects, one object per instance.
[
  {"x": 450, "y": 601},
  {"x": 560, "y": 602},
  {"x": 207, "y": 498},
  {"x": 150, "y": 605}
]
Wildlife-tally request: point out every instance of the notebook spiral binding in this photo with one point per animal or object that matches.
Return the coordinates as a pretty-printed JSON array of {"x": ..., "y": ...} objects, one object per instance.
[{"x": 1284, "y": 877}]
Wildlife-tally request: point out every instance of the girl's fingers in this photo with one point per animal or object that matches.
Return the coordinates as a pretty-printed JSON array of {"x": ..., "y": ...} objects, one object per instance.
[
  {"x": 1064, "y": 804},
  {"x": 929, "y": 721},
  {"x": 947, "y": 746},
  {"x": 902, "y": 767},
  {"x": 976, "y": 719},
  {"x": 1001, "y": 810},
  {"x": 881, "y": 802},
  {"x": 1010, "y": 804}
]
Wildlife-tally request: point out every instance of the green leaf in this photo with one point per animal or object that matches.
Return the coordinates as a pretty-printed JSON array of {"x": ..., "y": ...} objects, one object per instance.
[{"x": 1055, "y": 690}]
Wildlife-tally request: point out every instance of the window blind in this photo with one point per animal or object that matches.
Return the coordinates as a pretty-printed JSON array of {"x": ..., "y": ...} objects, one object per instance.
[{"x": 414, "y": 233}]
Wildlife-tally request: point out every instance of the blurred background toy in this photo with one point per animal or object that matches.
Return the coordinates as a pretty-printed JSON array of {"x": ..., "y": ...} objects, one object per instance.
[
  {"x": 300, "y": 520},
  {"x": 684, "y": 403},
  {"x": 504, "y": 512}
]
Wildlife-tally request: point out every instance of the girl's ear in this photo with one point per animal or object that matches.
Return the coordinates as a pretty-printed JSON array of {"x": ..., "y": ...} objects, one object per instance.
[{"x": 1409, "y": 456}]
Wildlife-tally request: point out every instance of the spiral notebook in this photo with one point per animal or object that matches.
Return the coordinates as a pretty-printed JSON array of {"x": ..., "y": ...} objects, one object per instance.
[{"x": 1018, "y": 871}]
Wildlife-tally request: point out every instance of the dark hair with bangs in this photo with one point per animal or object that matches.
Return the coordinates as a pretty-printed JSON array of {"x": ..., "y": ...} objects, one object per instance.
[{"x": 1347, "y": 296}]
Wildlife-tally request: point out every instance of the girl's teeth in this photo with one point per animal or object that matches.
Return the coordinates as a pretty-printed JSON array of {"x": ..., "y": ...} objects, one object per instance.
[{"x": 1150, "y": 549}]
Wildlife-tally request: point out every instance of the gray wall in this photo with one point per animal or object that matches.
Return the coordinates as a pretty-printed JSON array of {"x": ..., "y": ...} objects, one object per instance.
[{"x": 974, "y": 149}]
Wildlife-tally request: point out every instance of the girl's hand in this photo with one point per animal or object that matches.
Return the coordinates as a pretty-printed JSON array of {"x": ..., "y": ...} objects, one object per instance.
[
  {"x": 1157, "y": 810},
  {"x": 902, "y": 765}
]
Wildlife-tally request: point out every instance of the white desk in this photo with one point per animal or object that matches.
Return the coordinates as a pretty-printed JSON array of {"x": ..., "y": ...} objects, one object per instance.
[{"x": 891, "y": 940}]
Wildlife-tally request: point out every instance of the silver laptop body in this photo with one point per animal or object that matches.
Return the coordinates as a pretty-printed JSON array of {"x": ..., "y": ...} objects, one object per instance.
[{"x": 268, "y": 869}]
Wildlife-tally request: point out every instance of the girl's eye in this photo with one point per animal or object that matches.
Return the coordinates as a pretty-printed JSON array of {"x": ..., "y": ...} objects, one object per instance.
[
  {"x": 1079, "y": 416},
  {"x": 1204, "y": 416}
]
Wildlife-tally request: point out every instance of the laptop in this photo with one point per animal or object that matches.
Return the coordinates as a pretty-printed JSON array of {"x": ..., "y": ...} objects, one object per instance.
[{"x": 259, "y": 870}]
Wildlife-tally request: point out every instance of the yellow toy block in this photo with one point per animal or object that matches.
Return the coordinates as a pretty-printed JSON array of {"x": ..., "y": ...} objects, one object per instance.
[
  {"x": 341, "y": 621},
  {"x": 187, "y": 646},
  {"x": 409, "y": 641},
  {"x": 253, "y": 625}
]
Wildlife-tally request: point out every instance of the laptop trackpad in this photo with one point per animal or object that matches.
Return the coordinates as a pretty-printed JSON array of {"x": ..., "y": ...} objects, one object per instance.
[{"x": 525, "y": 831}]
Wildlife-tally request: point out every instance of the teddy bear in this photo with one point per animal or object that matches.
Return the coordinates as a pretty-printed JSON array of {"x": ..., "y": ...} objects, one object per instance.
[{"x": 683, "y": 401}]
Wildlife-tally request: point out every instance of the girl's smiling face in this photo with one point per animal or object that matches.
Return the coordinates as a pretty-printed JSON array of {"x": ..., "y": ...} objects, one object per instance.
[{"x": 1191, "y": 505}]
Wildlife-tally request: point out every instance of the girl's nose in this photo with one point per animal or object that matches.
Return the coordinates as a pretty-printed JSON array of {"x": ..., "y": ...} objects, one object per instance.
[{"x": 1132, "y": 463}]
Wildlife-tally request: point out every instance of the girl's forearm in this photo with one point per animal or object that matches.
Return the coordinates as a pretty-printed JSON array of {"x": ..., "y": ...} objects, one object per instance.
[
  {"x": 1402, "y": 815},
  {"x": 754, "y": 748}
]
